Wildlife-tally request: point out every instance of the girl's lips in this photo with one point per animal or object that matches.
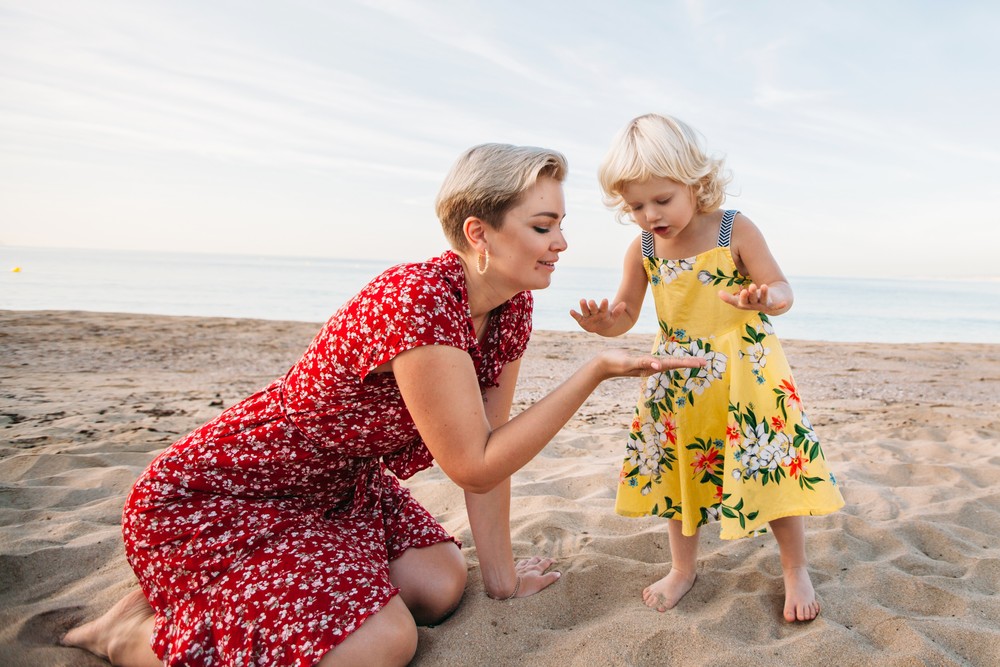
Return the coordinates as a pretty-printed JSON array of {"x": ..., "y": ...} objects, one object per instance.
[{"x": 661, "y": 231}]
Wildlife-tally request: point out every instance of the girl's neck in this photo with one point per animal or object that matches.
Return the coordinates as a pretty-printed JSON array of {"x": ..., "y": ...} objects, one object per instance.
[{"x": 700, "y": 235}]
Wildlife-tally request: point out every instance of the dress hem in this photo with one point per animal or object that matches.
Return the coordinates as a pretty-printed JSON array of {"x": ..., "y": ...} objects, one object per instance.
[{"x": 750, "y": 531}]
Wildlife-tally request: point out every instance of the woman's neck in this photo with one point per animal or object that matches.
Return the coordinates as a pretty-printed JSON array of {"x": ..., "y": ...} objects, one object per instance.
[{"x": 483, "y": 292}]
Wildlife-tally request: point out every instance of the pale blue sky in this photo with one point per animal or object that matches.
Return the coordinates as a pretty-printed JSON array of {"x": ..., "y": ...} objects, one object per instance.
[{"x": 862, "y": 134}]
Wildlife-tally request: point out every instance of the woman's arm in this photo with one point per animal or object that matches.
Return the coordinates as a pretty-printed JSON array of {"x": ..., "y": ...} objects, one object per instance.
[
  {"x": 489, "y": 514},
  {"x": 622, "y": 314},
  {"x": 439, "y": 386}
]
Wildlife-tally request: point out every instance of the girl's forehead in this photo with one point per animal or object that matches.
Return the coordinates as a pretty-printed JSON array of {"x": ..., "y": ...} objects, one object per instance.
[{"x": 651, "y": 185}]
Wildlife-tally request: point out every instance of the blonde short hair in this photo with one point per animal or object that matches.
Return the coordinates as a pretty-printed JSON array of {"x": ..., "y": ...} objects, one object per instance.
[
  {"x": 664, "y": 147},
  {"x": 488, "y": 180}
]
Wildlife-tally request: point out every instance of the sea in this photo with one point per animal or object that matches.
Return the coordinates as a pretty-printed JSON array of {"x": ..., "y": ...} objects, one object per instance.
[{"x": 311, "y": 289}]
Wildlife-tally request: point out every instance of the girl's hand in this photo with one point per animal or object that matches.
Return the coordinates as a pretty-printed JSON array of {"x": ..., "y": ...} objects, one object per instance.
[
  {"x": 597, "y": 317},
  {"x": 533, "y": 575},
  {"x": 622, "y": 363},
  {"x": 759, "y": 298}
]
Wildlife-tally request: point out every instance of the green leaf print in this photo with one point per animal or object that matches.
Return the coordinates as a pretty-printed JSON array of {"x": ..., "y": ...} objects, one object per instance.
[
  {"x": 753, "y": 336},
  {"x": 780, "y": 402},
  {"x": 718, "y": 277},
  {"x": 669, "y": 511}
]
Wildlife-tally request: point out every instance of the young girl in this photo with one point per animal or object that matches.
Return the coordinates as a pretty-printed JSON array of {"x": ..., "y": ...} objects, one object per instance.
[{"x": 729, "y": 441}]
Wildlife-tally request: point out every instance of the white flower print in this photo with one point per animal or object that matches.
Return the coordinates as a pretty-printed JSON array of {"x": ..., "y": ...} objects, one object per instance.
[
  {"x": 757, "y": 354},
  {"x": 670, "y": 269}
]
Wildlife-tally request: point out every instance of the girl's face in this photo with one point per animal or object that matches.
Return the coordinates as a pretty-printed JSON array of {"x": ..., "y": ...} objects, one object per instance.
[
  {"x": 523, "y": 252},
  {"x": 660, "y": 205}
]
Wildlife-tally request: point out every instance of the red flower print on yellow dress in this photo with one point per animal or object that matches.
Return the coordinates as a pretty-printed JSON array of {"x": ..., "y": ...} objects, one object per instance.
[
  {"x": 670, "y": 429},
  {"x": 733, "y": 432},
  {"x": 791, "y": 393},
  {"x": 777, "y": 423},
  {"x": 797, "y": 465},
  {"x": 706, "y": 460}
]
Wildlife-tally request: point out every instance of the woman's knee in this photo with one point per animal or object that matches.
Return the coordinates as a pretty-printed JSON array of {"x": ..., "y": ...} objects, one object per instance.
[
  {"x": 388, "y": 637},
  {"x": 431, "y": 581}
]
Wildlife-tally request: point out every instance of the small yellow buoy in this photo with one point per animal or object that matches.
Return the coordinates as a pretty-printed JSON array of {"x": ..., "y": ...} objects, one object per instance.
[{"x": 16, "y": 269}]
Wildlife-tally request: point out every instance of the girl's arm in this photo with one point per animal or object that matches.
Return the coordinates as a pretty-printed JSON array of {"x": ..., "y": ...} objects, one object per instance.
[
  {"x": 489, "y": 515},
  {"x": 622, "y": 314},
  {"x": 439, "y": 386},
  {"x": 770, "y": 292}
]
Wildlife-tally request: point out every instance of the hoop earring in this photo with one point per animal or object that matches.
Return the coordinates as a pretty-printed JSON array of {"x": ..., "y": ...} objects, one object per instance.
[{"x": 481, "y": 270}]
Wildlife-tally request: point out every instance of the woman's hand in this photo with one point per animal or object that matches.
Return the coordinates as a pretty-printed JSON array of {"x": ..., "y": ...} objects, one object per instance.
[
  {"x": 622, "y": 363},
  {"x": 767, "y": 299},
  {"x": 532, "y": 577},
  {"x": 597, "y": 317}
]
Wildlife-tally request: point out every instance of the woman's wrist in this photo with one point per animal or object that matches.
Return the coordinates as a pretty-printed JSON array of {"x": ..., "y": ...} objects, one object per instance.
[{"x": 513, "y": 593}]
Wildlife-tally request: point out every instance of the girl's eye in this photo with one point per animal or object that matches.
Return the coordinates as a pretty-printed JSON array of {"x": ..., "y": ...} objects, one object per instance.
[
  {"x": 663, "y": 202},
  {"x": 637, "y": 207}
]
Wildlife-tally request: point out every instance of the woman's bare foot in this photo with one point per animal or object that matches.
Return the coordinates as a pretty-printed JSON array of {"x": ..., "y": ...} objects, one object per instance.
[
  {"x": 121, "y": 635},
  {"x": 800, "y": 598},
  {"x": 668, "y": 591}
]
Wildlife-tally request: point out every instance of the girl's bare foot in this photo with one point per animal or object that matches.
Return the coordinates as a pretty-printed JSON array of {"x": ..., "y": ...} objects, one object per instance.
[
  {"x": 121, "y": 635},
  {"x": 800, "y": 598},
  {"x": 668, "y": 591}
]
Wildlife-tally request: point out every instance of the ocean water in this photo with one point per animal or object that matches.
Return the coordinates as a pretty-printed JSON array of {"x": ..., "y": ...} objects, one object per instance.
[{"x": 310, "y": 290}]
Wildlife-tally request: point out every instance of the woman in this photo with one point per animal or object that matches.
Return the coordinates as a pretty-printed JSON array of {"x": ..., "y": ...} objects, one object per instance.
[{"x": 274, "y": 535}]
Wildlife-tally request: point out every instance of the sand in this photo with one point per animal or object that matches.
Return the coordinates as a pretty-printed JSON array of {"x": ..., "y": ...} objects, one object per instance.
[{"x": 907, "y": 573}]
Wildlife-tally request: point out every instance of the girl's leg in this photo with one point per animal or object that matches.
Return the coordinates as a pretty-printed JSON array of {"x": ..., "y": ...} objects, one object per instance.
[
  {"x": 800, "y": 598},
  {"x": 431, "y": 581},
  {"x": 668, "y": 591},
  {"x": 121, "y": 635}
]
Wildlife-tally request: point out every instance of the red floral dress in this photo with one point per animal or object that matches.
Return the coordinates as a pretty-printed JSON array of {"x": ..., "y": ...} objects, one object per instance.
[{"x": 264, "y": 537}]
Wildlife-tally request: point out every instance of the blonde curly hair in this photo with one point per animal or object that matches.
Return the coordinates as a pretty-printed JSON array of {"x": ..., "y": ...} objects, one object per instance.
[{"x": 665, "y": 147}]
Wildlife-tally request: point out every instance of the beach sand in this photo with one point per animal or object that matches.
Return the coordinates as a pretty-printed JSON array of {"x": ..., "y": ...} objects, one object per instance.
[{"x": 907, "y": 572}]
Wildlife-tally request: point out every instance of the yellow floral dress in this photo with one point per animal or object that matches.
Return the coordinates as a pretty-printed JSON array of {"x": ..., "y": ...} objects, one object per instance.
[{"x": 729, "y": 441}]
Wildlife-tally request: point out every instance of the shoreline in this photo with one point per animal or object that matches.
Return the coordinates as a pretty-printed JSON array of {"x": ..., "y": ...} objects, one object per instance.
[{"x": 907, "y": 573}]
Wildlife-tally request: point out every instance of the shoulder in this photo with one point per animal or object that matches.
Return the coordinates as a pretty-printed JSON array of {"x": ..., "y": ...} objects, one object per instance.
[
  {"x": 745, "y": 231},
  {"x": 430, "y": 281},
  {"x": 743, "y": 224}
]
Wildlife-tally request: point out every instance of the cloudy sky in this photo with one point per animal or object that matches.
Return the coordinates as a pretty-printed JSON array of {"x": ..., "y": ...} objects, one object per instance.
[{"x": 863, "y": 135}]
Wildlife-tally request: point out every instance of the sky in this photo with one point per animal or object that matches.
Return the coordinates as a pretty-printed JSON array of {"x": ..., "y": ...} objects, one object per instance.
[{"x": 861, "y": 135}]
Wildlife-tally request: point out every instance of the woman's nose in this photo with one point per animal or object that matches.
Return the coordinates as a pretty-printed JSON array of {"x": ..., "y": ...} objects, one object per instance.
[{"x": 559, "y": 242}]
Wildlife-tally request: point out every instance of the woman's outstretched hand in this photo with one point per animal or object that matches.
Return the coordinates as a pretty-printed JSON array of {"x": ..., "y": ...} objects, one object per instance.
[{"x": 622, "y": 363}]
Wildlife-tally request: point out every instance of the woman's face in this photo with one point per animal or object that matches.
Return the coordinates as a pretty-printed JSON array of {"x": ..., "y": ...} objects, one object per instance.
[{"x": 524, "y": 251}]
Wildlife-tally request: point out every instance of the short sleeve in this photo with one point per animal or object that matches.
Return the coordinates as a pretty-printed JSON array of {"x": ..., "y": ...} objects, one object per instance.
[{"x": 407, "y": 307}]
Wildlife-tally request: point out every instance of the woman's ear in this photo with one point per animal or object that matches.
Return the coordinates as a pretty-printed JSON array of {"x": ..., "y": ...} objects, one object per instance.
[{"x": 475, "y": 233}]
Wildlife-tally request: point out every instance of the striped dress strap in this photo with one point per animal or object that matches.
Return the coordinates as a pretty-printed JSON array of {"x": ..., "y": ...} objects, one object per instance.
[
  {"x": 726, "y": 229},
  {"x": 647, "y": 244}
]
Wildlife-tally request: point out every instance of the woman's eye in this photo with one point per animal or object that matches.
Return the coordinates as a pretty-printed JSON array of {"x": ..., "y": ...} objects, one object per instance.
[{"x": 542, "y": 230}]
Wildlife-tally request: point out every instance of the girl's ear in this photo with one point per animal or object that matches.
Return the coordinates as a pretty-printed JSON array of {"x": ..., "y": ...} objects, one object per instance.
[{"x": 475, "y": 233}]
